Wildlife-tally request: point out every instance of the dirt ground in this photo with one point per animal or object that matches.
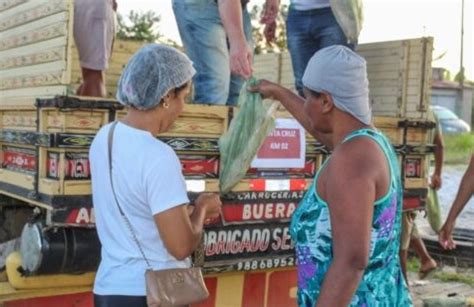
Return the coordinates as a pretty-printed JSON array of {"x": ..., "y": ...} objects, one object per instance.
[{"x": 424, "y": 292}]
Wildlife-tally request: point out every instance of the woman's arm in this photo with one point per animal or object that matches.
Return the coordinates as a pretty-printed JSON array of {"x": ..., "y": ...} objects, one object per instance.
[
  {"x": 181, "y": 232},
  {"x": 465, "y": 192},
  {"x": 350, "y": 194},
  {"x": 166, "y": 195}
]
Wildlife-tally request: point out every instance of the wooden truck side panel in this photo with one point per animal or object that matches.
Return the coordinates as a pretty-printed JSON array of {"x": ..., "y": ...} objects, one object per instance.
[{"x": 35, "y": 41}]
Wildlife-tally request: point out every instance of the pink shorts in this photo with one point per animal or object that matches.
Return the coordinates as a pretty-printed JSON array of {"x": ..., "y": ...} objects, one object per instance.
[{"x": 94, "y": 32}]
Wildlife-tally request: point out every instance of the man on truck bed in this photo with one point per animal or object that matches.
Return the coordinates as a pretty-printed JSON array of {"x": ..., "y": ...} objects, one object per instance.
[
  {"x": 217, "y": 37},
  {"x": 310, "y": 26},
  {"x": 94, "y": 33},
  {"x": 347, "y": 228}
]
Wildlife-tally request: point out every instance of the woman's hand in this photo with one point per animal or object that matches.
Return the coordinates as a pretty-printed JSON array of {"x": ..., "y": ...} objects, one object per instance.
[
  {"x": 446, "y": 236},
  {"x": 266, "y": 88},
  {"x": 210, "y": 203}
]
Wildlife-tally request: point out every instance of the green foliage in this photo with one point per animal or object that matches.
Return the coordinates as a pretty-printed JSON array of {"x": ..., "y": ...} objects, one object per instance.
[
  {"x": 447, "y": 75},
  {"x": 458, "y": 148},
  {"x": 141, "y": 26},
  {"x": 261, "y": 45},
  {"x": 456, "y": 277},
  {"x": 413, "y": 264},
  {"x": 460, "y": 75}
]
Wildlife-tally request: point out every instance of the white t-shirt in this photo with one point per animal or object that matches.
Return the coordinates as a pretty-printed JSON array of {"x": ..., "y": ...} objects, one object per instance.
[
  {"x": 305, "y": 5},
  {"x": 148, "y": 180}
]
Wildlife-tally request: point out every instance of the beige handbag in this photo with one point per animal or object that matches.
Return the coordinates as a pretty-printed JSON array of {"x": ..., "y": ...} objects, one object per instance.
[
  {"x": 171, "y": 287},
  {"x": 175, "y": 287}
]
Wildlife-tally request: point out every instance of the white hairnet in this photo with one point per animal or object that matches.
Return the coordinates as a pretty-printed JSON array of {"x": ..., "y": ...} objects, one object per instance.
[
  {"x": 151, "y": 73},
  {"x": 342, "y": 73}
]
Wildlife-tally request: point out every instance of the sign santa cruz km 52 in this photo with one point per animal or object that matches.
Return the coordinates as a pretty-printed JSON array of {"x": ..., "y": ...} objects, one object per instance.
[{"x": 285, "y": 147}]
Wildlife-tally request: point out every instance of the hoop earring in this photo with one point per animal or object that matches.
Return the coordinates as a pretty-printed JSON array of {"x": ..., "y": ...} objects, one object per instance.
[{"x": 166, "y": 105}]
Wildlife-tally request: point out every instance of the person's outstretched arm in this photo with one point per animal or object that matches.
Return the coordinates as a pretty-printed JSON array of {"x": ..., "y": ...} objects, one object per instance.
[
  {"x": 465, "y": 192},
  {"x": 293, "y": 104}
]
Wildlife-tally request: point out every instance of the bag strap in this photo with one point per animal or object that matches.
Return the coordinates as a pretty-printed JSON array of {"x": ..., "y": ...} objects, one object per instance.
[
  {"x": 127, "y": 221},
  {"x": 198, "y": 256}
]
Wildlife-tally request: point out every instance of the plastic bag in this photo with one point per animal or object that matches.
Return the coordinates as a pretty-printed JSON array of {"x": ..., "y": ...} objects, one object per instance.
[
  {"x": 350, "y": 17},
  {"x": 247, "y": 131},
  {"x": 433, "y": 210}
]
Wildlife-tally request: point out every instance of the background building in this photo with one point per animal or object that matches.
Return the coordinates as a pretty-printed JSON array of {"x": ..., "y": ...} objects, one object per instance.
[{"x": 447, "y": 93}]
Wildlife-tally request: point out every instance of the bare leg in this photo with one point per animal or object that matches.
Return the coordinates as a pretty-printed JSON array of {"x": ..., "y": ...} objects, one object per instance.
[
  {"x": 427, "y": 263},
  {"x": 403, "y": 263},
  {"x": 93, "y": 84}
]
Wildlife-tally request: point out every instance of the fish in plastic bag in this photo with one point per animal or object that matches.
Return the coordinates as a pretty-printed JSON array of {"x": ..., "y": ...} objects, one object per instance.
[{"x": 247, "y": 132}]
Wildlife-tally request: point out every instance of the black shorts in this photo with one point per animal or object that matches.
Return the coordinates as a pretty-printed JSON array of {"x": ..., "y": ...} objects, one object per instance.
[{"x": 119, "y": 301}]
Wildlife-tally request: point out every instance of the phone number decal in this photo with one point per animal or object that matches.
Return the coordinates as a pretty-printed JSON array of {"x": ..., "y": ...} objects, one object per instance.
[{"x": 265, "y": 264}]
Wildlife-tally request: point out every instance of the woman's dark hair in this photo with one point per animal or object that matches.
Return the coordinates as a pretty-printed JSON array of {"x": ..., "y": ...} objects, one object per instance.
[
  {"x": 314, "y": 93},
  {"x": 179, "y": 89}
]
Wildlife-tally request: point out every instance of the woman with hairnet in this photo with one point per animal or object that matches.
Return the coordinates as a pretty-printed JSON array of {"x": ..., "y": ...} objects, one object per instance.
[{"x": 140, "y": 202}]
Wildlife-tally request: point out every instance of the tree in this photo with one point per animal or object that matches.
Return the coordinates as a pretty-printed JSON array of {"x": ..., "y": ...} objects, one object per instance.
[
  {"x": 143, "y": 27},
  {"x": 447, "y": 75},
  {"x": 460, "y": 76},
  {"x": 261, "y": 45}
]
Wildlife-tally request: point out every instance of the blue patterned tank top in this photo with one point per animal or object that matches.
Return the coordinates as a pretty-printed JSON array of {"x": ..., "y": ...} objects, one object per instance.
[{"x": 382, "y": 283}]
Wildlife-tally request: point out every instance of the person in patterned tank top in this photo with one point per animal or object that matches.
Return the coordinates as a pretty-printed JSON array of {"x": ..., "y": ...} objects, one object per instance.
[{"x": 346, "y": 230}]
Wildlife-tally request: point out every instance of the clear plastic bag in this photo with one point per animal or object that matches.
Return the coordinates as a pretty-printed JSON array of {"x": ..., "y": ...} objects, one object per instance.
[
  {"x": 349, "y": 15},
  {"x": 247, "y": 131}
]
